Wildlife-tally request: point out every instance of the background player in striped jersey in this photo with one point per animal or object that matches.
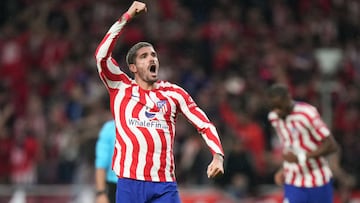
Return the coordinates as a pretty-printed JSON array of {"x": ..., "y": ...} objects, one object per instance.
[
  {"x": 145, "y": 110},
  {"x": 306, "y": 140}
]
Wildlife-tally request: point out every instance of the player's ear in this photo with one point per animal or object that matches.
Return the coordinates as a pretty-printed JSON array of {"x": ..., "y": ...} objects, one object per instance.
[{"x": 132, "y": 68}]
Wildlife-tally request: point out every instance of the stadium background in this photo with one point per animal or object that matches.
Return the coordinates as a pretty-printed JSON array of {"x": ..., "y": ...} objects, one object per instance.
[{"x": 223, "y": 52}]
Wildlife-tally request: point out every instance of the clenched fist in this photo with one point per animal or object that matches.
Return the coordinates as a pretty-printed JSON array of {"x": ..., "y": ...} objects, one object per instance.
[{"x": 136, "y": 8}]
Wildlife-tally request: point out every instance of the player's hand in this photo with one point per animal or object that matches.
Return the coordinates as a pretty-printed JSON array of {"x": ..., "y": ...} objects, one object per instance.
[
  {"x": 279, "y": 177},
  {"x": 216, "y": 167},
  {"x": 103, "y": 198},
  {"x": 289, "y": 156},
  {"x": 136, "y": 8}
]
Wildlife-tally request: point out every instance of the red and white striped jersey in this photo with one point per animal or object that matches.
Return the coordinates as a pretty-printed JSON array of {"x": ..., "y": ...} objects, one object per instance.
[
  {"x": 145, "y": 120},
  {"x": 302, "y": 131}
]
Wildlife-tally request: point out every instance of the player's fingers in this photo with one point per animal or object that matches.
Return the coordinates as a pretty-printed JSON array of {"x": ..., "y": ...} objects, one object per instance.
[
  {"x": 210, "y": 171},
  {"x": 139, "y": 10},
  {"x": 215, "y": 171}
]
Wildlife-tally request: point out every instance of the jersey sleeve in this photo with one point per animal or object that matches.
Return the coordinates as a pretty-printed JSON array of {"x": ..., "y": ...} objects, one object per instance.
[
  {"x": 200, "y": 121},
  {"x": 317, "y": 126},
  {"x": 108, "y": 69}
]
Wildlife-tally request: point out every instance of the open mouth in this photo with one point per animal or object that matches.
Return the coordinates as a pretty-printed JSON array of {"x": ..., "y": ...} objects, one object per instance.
[{"x": 153, "y": 68}]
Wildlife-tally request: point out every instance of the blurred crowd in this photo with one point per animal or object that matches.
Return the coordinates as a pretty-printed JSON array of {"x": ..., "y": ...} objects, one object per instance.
[{"x": 225, "y": 53}]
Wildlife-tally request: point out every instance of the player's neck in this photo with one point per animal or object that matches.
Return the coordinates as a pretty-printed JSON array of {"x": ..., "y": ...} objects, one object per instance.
[
  {"x": 146, "y": 85},
  {"x": 290, "y": 108}
]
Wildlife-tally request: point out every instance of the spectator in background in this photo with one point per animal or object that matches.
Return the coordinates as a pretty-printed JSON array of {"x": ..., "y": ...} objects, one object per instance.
[
  {"x": 306, "y": 141},
  {"x": 6, "y": 145},
  {"x": 145, "y": 111},
  {"x": 240, "y": 176},
  {"x": 251, "y": 134},
  {"x": 343, "y": 181},
  {"x": 105, "y": 178},
  {"x": 24, "y": 155}
]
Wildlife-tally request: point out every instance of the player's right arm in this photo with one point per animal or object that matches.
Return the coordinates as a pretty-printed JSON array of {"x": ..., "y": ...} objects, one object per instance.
[{"x": 108, "y": 68}]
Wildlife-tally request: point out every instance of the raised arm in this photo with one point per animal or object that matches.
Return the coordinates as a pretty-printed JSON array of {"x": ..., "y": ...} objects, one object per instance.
[{"x": 107, "y": 66}]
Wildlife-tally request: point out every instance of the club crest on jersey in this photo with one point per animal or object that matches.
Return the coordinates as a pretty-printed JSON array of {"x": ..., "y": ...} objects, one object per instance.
[{"x": 161, "y": 107}]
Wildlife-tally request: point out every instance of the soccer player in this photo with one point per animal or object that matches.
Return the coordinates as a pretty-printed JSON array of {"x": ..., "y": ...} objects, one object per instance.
[
  {"x": 145, "y": 110},
  {"x": 306, "y": 140},
  {"x": 105, "y": 178}
]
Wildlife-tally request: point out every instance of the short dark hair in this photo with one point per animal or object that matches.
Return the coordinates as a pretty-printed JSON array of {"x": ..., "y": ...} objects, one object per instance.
[
  {"x": 131, "y": 55},
  {"x": 278, "y": 90}
]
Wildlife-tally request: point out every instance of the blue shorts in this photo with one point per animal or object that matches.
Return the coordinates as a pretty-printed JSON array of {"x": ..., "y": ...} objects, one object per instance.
[
  {"x": 322, "y": 194},
  {"x": 137, "y": 191}
]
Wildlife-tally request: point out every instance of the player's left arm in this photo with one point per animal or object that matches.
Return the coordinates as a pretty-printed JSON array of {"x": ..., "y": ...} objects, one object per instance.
[
  {"x": 327, "y": 146},
  {"x": 207, "y": 130},
  {"x": 321, "y": 132},
  {"x": 199, "y": 120}
]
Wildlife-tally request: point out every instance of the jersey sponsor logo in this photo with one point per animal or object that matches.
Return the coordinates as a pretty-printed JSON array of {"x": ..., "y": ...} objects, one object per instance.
[
  {"x": 149, "y": 115},
  {"x": 134, "y": 95},
  {"x": 190, "y": 103},
  {"x": 147, "y": 124}
]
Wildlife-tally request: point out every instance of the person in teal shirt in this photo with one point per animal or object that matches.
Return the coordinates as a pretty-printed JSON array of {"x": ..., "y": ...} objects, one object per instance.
[{"x": 105, "y": 178}]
